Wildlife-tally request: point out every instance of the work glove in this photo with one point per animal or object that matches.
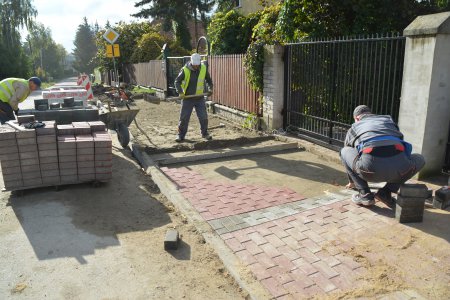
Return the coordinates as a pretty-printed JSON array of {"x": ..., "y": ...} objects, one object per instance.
[
  {"x": 182, "y": 96},
  {"x": 16, "y": 112},
  {"x": 210, "y": 92}
]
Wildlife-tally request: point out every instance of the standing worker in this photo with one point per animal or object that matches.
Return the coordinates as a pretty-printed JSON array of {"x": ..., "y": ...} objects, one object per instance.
[
  {"x": 191, "y": 81},
  {"x": 374, "y": 151},
  {"x": 12, "y": 92}
]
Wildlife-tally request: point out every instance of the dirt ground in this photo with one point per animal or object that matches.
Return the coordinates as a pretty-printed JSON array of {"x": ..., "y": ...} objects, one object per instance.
[{"x": 104, "y": 243}]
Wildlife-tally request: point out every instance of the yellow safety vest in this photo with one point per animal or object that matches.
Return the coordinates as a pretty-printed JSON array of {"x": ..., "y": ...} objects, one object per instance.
[
  {"x": 7, "y": 89},
  {"x": 200, "y": 82}
]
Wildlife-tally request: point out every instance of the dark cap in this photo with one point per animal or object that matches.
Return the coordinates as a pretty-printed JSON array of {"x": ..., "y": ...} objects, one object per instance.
[
  {"x": 36, "y": 81},
  {"x": 360, "y": 110}
]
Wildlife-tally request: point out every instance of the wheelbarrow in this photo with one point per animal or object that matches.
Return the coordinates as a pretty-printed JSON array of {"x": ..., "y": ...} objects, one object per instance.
[{"x": 119, "y": 121}]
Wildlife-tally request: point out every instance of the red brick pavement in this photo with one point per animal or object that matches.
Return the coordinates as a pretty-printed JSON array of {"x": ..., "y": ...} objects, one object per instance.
[
  {"x": 216, "y": 200},
  {"x": 306, "y": 254}
]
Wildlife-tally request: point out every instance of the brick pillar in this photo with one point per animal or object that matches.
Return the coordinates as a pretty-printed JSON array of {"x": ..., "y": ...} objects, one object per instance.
[
  {"x": 425, "y": 102},
  {"x": 273, "y": 94}
]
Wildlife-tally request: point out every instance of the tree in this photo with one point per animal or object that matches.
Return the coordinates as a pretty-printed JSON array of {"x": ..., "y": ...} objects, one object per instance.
[
  {"x": 14, "y": 14},
  {"x": 85, "y": 48}
]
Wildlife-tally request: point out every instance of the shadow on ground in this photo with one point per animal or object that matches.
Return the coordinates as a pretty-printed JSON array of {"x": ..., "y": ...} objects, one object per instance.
[{"x": 80, "y": 219}]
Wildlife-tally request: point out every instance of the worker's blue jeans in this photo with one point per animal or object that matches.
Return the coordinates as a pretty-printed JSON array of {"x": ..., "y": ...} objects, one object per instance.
[
  {"x": 393, "y": 170},
  {"x": 6, "y": 112},
  {"x": 185, "y": 114}
]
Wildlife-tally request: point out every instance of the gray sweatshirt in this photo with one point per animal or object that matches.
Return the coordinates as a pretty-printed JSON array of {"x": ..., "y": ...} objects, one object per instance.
[{"x": 192, "y": 86}]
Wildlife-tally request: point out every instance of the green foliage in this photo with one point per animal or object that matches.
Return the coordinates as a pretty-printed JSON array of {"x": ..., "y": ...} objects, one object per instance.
[
  {"x": 264, "y": 30},
  {"x": 254, "y": 65},
  {"x": 250, "y": 122},
  {"x": 148, "y": 47},
  {"x": 85, "y": 48}
]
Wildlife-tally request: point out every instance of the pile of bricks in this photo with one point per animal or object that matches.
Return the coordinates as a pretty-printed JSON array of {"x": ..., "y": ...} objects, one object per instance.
[
  {"x": 411, "y": 203},
  {"x": 52, "y": 155}
]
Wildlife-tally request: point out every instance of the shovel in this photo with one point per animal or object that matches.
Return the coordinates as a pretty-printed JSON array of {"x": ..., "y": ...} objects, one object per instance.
[{"x": 187, "y": 97}]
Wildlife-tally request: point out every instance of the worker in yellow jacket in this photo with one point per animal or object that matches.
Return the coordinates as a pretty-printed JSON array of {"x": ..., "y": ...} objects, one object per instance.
[{"x": 12, "y": 92}]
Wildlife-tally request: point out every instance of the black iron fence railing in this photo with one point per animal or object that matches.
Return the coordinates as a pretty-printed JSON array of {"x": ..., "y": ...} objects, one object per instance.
[{"x": 325, "y": 80}]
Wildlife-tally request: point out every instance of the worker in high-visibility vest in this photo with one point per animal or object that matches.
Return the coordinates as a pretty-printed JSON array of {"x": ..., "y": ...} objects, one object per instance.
[
  {"x": 191, "y": 81},
  {"x": 12, "y": 92}
]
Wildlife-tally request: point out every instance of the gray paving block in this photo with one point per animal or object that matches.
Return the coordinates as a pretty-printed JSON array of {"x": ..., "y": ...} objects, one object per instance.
[
  {"x": 84, "y": 144},
  {"x": 107, "y": 176},
  {"x": 48, "y": 160},
  {"x": 7, "y": 133},
  {"x": 67, "y": 172},
  {"x": 408, "y": 215},
  {"x": 12, "y": 177},
  {"x": 32, "y": 182},
  {"x": 11, "y": 185},
  {"x": 81, "y": 128},
  {"x": 102, "y": 143},
  {"x": 29, "y": 162},
  {"x": 45, "y": 131},
  {"x": 48, "y": 153},
  {"x": 85, "y": 151},
  {"x": 66, "y": 142},
  {"x": 49, "y": 173},
  {"x": 51, "y": 166},
  {"x": 63, "y": 130},
  {"x": 66, "y": 152},
  {"x": 84, "y": 171},
  {"x": 103, "y": 170},
  {"x": 97, "y": 126},
  {"x": 413, "y": 190},
  {"x": 46, "y": 139},
  {"x": 410, "y": 201},
  {"x": 51, "y": 180},
  {"x": 9, "y": 150},
  {"x": 103, "y": 157},
  {"x": 31, "y": 168},
  {"x": 27, "y": 148},
  {"x": 10, "y": 163},
  {"x": 68, "y": 165},
  {"x": 216, "y": 224},
  {"x": 86, "y": 177},
  {"x": 171, "y": 240},
  {"x": 25, "y": 119},
  {"x": 28, "y": 155},
  {"x": 222, "y": 231},
  {"x": 30, "y": 175},
  {"x": 442, "y": 194},
  {"x": 85, "y": 157},
  {"x": 7, "y": 144},
  {"x": 11, "y": 170},
  {"x": 103, "y": 150},
  {"x": 68, "y": 179},
  {"x": 49, "y": 146},
  {"x": 25, "y": 134},
  {"x": 67, "y": 158},
  {"x": 26, "y": 141},
  {"x": 104, "y": 163},
  {"x": 86, "y": 164}
]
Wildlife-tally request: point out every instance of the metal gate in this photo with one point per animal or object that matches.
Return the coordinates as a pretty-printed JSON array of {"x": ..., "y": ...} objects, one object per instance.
[{"x": 325, "y": 80}]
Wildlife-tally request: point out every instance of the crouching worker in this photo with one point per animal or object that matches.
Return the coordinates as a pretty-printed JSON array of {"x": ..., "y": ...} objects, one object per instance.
[
  {"x": 12, "y": 92},
  {"x": 374, "y": 151}
]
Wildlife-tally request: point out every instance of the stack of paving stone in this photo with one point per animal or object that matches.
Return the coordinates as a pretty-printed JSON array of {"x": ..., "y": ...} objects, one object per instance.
[
  {"x": 51, "y": 155},
  {"x": 48, "y": 153},
  {"x": 411, "y": 203}
]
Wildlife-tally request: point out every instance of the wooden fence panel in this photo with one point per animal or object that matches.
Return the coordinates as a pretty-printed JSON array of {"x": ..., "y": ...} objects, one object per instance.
[
  {"x": 231, "y": 87},
  {"x": 149, "y": 74}
]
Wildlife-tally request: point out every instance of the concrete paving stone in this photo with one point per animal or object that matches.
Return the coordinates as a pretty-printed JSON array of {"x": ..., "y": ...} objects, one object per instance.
[
  {"x": 51, "y": 180},
  {"x": 86, "y": 177},
  {"x": 12, "y": 184},
  {"x": 413, "y": 190},
  {"x": 325, "y": 269},
  {"x": 66, "y": 158},
  {"x": 216, "y": 224},
  {"x": 25, "y": 134},
  {"x": 91, "y": 170},
  {"x": 103, "y": 143},
  {"x": 68, "y": 179},
  {"x": 26, "y": 141},
  {"x": 241, "y": 236},
  {"x": 291, "y": 242},
  {"x": 280, "y": 275},
  {"x": 288, "y": 252},
  {"x": 234, "y": 245},
  {"x": 274, "y": 240},
  {"x": 103, "y": 150},
  {"x": 97, "y": 126},
  {"x": 9, "y": 150},
  {"x": 259, "y": 270},
  {"x": 11, "y": 170},
  {"x": 32, "y": 182},
  {"x": 246, "y": 257},
  {"x": 296, "y": 233},
  {"x": 10, "y": 163},
  {"x": 12, "y": 177},
  {"x": 47, "y": 130},
  {"x": 103, "y": 157},
  {"x": 86, "y": 164},
  {"x": 85, "y": 151},
  {"x": 49, "y": 173},
  {"x": 285, "y": 263},
  {"x": 270, "y": 250},
  {"x": 252, "y": 247},
  {"x": 46, "y": 139},
  {"x": 307, "y": 254},
  {"x": 274, "y": 287},
  {"x": 85, "y": 157},
  {"x": 49, "y": 146},
  {"x": 48, "y": 153},
  {"x": 7, "y": 132},
  {"x": 31, "y": 175},
  {"x": 99, "y": 170},
  {"x": 218, "y": 231},
  {"x": 27, "y": 148},
  {"x": 106, "y": 176},
  {"x": 315, "y": 237},
  {"x": 81, "y": 128},
  {"x": 279, "y": 232},
  {"x": 84, "y": 141},
  {"x": 234, "y": 227},
  {"x": 67, "y": 152},
  {"x": 106, "y": 163},
  {"x": 270, "y": 215},
  {"x": 347, "y": 261},
  {"x": 68, "y": 172},
  {"x": 29, "y": 162},
  {"x": 64, "y": 130},
  {"x": 321, "y": 281}
]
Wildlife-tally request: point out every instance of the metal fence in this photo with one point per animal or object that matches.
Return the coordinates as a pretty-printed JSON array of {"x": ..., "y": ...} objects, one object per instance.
[
  {"x": 151, "y": 74},
  {"x": 231, "y": 86},
  {"x": 325, "y": 80}
]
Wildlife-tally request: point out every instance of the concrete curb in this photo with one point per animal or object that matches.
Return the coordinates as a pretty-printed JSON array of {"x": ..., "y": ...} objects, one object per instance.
[{"x": 253, "y": 287}]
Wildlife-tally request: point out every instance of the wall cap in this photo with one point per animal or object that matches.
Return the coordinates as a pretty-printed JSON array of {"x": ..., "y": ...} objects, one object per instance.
[{"x": 429, "y": 25}]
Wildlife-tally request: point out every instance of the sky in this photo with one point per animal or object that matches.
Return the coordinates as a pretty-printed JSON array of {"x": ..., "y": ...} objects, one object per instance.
[{"x": 63, "y": 17}]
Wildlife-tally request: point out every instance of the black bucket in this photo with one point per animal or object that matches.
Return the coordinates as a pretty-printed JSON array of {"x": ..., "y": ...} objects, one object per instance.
[
  {"x": 69, "y": 101},
  {"x": 78, "y": 103},
  {"x": 41, "y": 103}
]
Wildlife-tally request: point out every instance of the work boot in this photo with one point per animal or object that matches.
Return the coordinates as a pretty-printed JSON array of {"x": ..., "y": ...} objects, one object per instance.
[
  {"x": 363, "y": 199},
  {"x": 207, "y": 137},
  {"x": 179, "y": 139},
  {"x": 384, "y": 195}
]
